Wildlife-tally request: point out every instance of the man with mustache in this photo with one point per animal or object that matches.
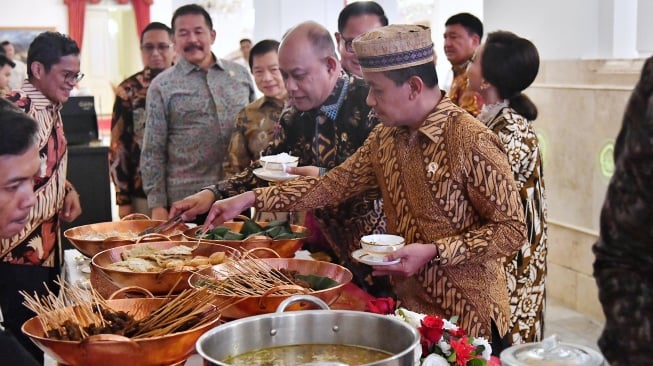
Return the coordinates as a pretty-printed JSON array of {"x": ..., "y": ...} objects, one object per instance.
[
  {"x": 19, "y": 162},
  {"x": 191, "y": 108},
  {"x": 32, "y": 257},
  {"x": 128, "y": 120},
  {"x": 325, "y": 123}
]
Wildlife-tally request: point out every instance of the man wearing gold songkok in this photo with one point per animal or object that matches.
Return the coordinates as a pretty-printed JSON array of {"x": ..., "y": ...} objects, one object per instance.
[{"x": 445, "y": 181}]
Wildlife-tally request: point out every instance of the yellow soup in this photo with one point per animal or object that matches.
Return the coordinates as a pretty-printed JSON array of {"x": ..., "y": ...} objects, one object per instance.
[{"x": 308, "y": 353}]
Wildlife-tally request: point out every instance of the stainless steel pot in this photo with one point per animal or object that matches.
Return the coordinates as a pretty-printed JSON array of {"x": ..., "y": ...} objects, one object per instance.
[{"x": 312, "y": 327}]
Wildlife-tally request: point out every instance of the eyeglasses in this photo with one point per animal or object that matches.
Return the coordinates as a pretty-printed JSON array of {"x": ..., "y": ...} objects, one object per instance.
[
  {"x": 161, "y": 47},
  {"x": 348, "y": 46},
  {"x": 73, "y": 77}
]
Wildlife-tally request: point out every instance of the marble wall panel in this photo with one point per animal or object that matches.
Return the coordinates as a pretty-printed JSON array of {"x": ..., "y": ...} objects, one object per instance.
[{"x": 581, "y": 105}]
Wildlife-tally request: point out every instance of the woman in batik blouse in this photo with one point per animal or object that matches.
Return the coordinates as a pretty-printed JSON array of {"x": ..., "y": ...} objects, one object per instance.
[{"x": 501, "y": 69}]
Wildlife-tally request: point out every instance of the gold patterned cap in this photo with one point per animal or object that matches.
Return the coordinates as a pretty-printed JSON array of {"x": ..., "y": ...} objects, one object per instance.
[{"x": 393, "y": 47}]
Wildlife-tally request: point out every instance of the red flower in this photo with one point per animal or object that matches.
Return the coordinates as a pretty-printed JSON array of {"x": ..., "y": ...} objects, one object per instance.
[
  {"x": 459, "y": 333},
  {"x": 432, "y": 329},
  {"x": 463, "y": 351},
  {"x": 382, "y": 305}
]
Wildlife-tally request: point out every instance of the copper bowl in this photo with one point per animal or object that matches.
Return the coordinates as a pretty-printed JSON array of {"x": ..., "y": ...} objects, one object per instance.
[
  {"x": 285, "y": 248},
  {"x": 111, "y": 349},
  {"x": 241, "y": 307},
  {"x": 158, "y": 283},
  {"x": 122, "y": 233}
]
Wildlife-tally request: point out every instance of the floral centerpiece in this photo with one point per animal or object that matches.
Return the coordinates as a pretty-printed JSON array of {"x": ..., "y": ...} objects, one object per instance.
[{"x": 443, "y": 342}]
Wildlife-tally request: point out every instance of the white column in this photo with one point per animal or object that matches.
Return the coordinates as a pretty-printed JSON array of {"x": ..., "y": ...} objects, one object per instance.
[{"x": 274, "y": 17}]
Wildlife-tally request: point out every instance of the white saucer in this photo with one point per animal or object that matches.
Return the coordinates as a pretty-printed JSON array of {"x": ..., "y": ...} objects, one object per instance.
[
  {"x": 273, "y": 176},
  {"x": 372, "y": 259}
]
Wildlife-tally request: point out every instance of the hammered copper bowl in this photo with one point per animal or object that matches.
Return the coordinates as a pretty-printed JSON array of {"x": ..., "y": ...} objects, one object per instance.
[
  {"x": 285, "y": 248},
  {"x": 241, "y": 307},
  {"x": 78, "y": 236},
  {"x": 158, "y": 283},
  {"x": 110, "y": 349}
]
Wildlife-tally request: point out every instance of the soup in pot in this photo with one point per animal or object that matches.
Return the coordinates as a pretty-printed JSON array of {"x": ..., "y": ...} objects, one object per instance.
[{"x": 308, "y": 354}]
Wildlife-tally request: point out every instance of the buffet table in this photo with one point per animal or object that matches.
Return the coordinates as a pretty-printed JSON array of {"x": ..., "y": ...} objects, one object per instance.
[{"x": 77, "y": 273}]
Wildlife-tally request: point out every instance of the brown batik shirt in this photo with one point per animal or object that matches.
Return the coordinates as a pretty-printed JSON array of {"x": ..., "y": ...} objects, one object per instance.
[
  {"x": 448, "y": 184},
  {"x": 127, "y": 128}
]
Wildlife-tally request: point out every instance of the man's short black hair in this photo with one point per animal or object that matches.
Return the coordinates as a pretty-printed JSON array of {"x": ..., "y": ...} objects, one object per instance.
[
  {"x": 156, "y": 26},
  {"x": 426, "y": 72},
  {"x": 48, "y": 48},
  {"x": 4, "y": 60},
  {"x": 192, "y": 9},
  {"x": 17, "y": 129},
  {"x": 470, "y": 22},
  {"x": 361, "y": 8},
  {"x": 5, "y": 43},
  {"x": 261, "y": 48},
  {"x": 245, "y": 40}
]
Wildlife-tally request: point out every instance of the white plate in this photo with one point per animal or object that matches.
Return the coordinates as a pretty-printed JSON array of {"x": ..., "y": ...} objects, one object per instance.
[
  {"x": 372, "y": 259},
  {"x": 273, "y": 176}
]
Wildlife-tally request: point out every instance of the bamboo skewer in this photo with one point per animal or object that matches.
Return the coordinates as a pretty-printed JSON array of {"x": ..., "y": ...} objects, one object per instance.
[
  {"x": 250, "y": 276},
  {"x": 82, "y": 309}
]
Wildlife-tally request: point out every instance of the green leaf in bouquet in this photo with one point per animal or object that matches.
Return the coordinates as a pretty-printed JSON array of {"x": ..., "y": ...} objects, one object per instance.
[
  {"x": 477, "y": 362},
  {"x": 250, "y": 227},
  {"x": 230, "y": 235},
  {"x": 318, "y": 282}
]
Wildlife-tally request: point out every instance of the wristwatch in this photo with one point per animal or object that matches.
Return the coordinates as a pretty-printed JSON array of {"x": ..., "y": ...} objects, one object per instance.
[{"x": 213, "y": 189}]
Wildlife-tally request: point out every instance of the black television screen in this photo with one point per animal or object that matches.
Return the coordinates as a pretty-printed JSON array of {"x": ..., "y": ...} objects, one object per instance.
[{"x": 79, "y": 120}]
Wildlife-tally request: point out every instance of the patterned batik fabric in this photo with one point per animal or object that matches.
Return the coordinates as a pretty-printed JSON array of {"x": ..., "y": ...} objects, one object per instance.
[
  {"x": 127, "y": 129},
  {"x": 525, "y": 270},
  {"x": 253, "y": 132},
  {"x": 320, "y": 141},
  {"x": 624, "y": 252},
  {"x": 189, "y": 122},
  {"x": 38, "y": 243},
  {"x": 449, "y": 183},
  {"x": 461, "y": 94}
]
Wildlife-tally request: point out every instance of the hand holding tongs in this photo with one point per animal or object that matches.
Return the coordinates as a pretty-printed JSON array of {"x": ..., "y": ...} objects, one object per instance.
[{"x": 166, "y": 225}]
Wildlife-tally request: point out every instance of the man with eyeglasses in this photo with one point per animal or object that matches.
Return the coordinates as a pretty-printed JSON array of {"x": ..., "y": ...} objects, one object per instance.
[
  {"x": 31, "y": 259},
  {"x": 191, "y": 109},
  {"x": 354, "y": 20},
  {"x": 128, "y": 120}
]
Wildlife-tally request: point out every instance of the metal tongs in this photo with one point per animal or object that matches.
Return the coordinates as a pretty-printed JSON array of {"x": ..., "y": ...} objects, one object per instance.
[{"x": 166, "y": 225}]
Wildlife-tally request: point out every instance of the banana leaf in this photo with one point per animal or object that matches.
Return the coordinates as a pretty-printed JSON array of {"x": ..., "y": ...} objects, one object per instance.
[
  {"x": 318, "y": 282},
  {"x": 250, "y": 227},
  {"x": 230, "y": 235}
]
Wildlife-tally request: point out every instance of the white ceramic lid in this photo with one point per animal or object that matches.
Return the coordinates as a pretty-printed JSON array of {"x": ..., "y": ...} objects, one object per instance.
[{"x": 550, "y": 352}]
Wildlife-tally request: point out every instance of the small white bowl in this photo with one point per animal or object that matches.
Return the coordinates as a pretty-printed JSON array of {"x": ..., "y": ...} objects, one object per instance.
[{"x": 382, "y": 243}]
